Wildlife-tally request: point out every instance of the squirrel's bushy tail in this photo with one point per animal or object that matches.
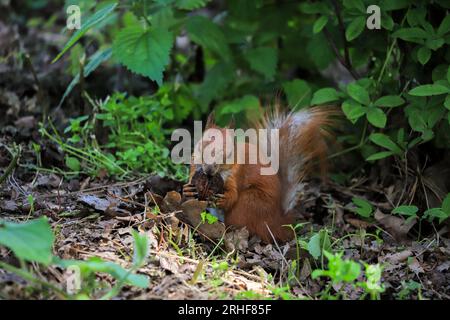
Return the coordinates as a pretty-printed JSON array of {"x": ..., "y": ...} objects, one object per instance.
[{"x": 303, "y": 146}]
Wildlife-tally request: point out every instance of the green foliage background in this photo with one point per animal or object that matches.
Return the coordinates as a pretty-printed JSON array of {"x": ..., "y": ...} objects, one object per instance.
[{"x": 393, "y": 84}]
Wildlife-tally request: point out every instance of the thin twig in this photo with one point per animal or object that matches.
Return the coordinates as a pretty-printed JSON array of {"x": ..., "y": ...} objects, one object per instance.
[{"x": 11, "y": 165}]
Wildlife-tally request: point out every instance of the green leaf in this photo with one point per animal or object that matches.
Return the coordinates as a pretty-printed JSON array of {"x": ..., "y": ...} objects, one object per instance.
[
  {"x": 324, "y": 95},
  {"x": 320, "y": 24},
  {"x": 216, "y": 81},
  {"x": 376, "y": 117},
  {"x": 89, "y": 23},
  {"x": 385, "y": 142},
  {"x": 98, "y": 265},
  {"x": 238, "y": 105},
  {"x": 73, "y": 164},
  {"x": 144, "y": 51},
  {"x": 94, "y": 61},
  {"x": 379, "y": 155},
  {"x": 410, "y": 34},
  {"x": 353, "y": 110},
  {"x": 448, "y": 74},
  {"x": 141, "y": 247},
  {"x": 416, "y": 16},
  {"x": 444, "y": 27},
  {"x": 447, "y": 102},
  {"x": 389, "y": 5},
  {"x": 355, "y": 4},
  {"x": 429, "y": 90},
  {"x": 406, "y": 210},
  {"x": 206, "y": 33},
  {"x": 436, "y": 213},
  {"x": 191, "y": 4},
  {"x": 363, "y": 207},
  {"x": 434, "y": 44},
  {"x": 423, "y": 55},
  {"x": 318, "y": 242},
  {"x": 355, "y": 28},
  {"x": 446, "y": 204},
  {"x": 298, "y": 93},
  {"x": 31, "y": 241},
  {"x": 314, "y": 247},
  {"x": 389, "y": 101},
  {"x": 358, "y": 93},
  {"x": 263, "y": 60}
]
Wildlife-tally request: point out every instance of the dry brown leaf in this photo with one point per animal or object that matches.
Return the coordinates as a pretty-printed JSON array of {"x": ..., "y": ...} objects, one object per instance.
[
  {"x": 237, "y": 240},
  {"x": 191, "y": 214},
  {"x": 396, "y": 226}
]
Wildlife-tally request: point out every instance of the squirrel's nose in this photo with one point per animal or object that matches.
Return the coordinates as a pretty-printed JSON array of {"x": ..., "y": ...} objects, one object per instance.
[{"x": 209, "y": 170}]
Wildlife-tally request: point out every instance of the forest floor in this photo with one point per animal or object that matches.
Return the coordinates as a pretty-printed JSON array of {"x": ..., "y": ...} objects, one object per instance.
[{"x": 93, "y": 217}]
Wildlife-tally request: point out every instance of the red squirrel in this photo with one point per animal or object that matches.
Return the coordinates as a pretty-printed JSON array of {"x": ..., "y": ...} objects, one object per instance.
[{"x": 262, "y": 202}]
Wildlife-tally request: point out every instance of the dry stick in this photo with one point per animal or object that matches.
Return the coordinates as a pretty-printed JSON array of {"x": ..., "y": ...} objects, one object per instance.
[
  {"x": 344, "y": 41},
  {"x": 284, "y": 258},
  {"x": 345, "y": 61},
  {"x": 11, "y": 165}
]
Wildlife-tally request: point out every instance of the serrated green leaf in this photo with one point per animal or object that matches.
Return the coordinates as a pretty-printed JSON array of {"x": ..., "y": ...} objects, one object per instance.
[
  {"x": 144, "y": 51},
  {"x": 376, "y": 117},
  {"x": 429, "y": 90},
  {"x": 31, "y": 241},
  {"x": 320, "y": 24},
  {"x": 324, "y": 95},
  {"x": 423, "y": 55},
  {"x": 89, "y": 23},
  {"x": 206, "y": 33},
  {"x": 355, "y": 28},
  {"x": 216, "y": 81},
  {"x": 263, "y": 60},
  {"x": 389, "y": 101},
  {"x": 385, "y": 142},
  {"x": 358, "y": 93}
]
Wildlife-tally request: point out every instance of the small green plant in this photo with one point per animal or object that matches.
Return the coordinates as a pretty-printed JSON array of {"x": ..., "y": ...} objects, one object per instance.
[
  {"x": 411, "y": 212},
  {"x": 208, "y": 218},
  {"x": 408, "y": 288},
  {"x": 363, "y": 207},
  {"x": 32, "y": 241},
  {"x": 343, "y": 271},
  {"x": 137, "y": 139}
]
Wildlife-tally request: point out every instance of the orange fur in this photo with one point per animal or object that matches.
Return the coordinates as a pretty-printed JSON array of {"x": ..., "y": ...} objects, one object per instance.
[{"x": 257, "y": 201}]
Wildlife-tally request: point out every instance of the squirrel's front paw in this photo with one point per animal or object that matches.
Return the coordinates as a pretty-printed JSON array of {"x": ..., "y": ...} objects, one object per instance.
[
  {"x": 189, "y": 192},
  {"x": 219, "y": 200}
]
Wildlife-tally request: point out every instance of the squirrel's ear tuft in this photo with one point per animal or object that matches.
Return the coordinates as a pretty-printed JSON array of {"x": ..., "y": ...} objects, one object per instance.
[{"x": 211, "y": 121}]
